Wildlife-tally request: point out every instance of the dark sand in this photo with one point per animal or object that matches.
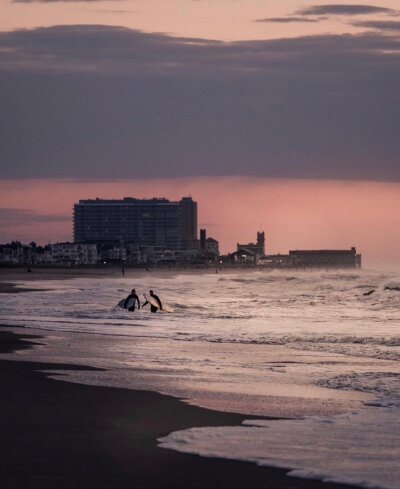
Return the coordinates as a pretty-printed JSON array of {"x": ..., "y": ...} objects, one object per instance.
[{"x": 61, "y": 435}]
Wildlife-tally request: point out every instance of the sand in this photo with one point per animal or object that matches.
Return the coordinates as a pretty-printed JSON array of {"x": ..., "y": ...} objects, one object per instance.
[{"x": 62, "y": 435}]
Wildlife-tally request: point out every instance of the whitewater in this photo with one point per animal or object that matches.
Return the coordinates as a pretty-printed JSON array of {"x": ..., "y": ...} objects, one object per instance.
[{"x": 308, "y": 346}]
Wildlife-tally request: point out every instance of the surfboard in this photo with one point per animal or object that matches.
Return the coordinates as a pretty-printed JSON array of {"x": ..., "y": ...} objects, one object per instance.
[
  {"x": 153, "y": 302},
  {"x": 121, "y": 303}
]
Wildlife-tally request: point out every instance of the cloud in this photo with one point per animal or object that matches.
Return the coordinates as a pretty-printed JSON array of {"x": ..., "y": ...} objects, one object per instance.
[
  {"x": 110, "y": 102},
  {"x": 121, "y": 51},
  {"x": 23, "y": 217},
  {"x": 383, "y": 25},
  {"x": 339, "y": 9},
  {"x": 286, "y": 20}
]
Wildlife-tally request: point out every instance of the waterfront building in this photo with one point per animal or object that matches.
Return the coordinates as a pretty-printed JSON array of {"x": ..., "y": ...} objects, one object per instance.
[
  {"x": 74, "y": 253},
  {"x": 212, "y": 246},
  {"x": 254, "y": 250},
  {"x": 275, "y": 261},
  {"x": 208, "y": 246},
  {"x": 189, "y": 223},
  {"x": 325, "y": 258},
  {"x": 147, "y": 222},
  {"x": 203, "y": 240}
]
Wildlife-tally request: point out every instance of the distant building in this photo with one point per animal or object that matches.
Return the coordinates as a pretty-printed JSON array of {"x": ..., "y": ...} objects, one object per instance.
[
  {"x": 242, "y": 256},
  {"x": 146, "y": 222},
  {"x": 74, "y": 253},
  {"x": 203, "y": 240},
  {"x": 208, "y": 246},
  {"x": 17, "y": 253},
  {"x": 189, "y": 223},
  {"x": 12, "y": 253},
  {"x": 254, "y": 250},
  {"x": 212, "y": 246},
  {"x": 325, "y": 258},
  {"x": 275, "y": 261}
]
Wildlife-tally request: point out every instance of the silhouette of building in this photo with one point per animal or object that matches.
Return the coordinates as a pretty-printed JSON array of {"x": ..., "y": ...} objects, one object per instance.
[
  {"x": 254, "y": 250},
  {"x": 189, "y": 223},
  {"x": 325, "y": 258},
  {"x": 212, "y": 246},
  {"x": 208, "y": 246},
  {"x": 203, "y": 240},
  {"x": 313, "y": 259},
  {"x": 149, "y": 222}
]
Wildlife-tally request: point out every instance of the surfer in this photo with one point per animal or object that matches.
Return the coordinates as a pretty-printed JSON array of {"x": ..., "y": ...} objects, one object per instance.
[
  {"x": 135, "y": 298},
  {"x": 157, "y": 299}
]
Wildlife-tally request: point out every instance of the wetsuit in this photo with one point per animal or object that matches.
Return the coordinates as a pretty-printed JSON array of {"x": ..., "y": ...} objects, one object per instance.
[
  {"x": 154, "y": 308},
  {"x": 135, "y": 298}
]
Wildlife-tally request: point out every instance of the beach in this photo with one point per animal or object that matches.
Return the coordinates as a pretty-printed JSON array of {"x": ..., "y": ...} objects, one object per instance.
[
  {"x": 88, "y": 395},
  {"x": 58, "y": 434}
]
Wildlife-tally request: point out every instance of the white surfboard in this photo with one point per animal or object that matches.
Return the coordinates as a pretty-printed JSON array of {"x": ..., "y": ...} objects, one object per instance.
[{"x": 153, "y": 302}]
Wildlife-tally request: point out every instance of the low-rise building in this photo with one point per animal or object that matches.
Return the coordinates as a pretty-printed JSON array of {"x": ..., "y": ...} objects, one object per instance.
[
  {"x": 74, "y": 253},
  {"x": 275, "y": 261},
  {"x": 325, "y": 258},
  {"x": 256, "y": 250},
  {"x": 212, "y": 246}
]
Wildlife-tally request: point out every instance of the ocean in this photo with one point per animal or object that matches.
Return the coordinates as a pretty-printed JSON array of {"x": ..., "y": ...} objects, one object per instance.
[{"x": 309, "y": 347}]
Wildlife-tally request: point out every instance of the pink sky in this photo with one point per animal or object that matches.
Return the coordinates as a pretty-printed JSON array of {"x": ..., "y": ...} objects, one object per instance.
[
  {"x": 295, "y": 214},
  {"x": 219, "y": 19}
]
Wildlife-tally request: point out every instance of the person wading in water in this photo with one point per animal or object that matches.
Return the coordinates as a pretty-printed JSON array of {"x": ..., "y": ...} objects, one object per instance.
[
  {"x": 135, "y": 298},
  {"x": 156, "y": 298}
]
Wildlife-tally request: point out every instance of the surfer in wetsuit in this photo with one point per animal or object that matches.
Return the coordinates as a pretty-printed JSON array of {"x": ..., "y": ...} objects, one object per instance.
[
  {"x": 156, "y": 298},
  {"x": 135, "y": 298}
]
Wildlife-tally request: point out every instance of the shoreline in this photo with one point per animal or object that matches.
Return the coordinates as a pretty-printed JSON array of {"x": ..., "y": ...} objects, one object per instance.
[
  {"x": 11, "y": 277},
  {"x": 67, "y": 435}
]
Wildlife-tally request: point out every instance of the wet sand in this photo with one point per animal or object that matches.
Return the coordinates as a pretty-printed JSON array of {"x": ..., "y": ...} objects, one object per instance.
[{"x": 62, "y": 435}]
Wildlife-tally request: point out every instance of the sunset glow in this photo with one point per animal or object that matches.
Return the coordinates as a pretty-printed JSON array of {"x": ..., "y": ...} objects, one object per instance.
[{"x": 295, "y": 214}]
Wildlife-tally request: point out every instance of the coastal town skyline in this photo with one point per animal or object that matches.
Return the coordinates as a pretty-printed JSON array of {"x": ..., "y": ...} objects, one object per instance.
[{"x": 292, "y": 220}]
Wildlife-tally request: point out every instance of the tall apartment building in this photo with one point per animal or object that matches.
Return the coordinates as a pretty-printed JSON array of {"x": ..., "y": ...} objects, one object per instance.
[
  {"x": 189, "y": 223},
  {"x": 148, "y": 222}
]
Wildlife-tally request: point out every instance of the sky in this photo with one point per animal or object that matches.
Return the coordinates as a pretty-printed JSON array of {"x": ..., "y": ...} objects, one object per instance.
[{"x": 131, "y": 95}]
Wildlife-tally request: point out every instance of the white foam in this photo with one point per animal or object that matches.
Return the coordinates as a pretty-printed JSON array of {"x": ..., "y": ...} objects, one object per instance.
[
  {"x": 361, "y": 449},
  {"x": 313, "y": 336},
  {"x": 306, "y": 311}
]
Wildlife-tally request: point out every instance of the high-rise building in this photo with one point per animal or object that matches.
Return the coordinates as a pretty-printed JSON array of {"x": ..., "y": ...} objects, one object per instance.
[
  {"x": 151, "y": 222},
  {"x": 203, "y": 240},
  {"x": 189, "y": 223}
]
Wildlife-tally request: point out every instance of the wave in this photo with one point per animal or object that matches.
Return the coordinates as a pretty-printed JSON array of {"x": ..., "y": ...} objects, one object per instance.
[
  {"x": 311, "y": 448},
  {"x": 385, "y": 385}
]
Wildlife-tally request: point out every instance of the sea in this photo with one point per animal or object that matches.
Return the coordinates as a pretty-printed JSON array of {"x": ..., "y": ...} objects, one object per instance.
[{"x": 315, "y": 349}]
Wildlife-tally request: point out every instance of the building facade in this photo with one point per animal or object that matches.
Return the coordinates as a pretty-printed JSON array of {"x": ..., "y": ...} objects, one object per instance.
[
  {"x": 212, "y": 246},
  {"x": 146, "y": 222},
  {"x": 189, "y": 223},
  {"x": 325, "y": 258},
  {"x": 257, "y": 250},
  {"x": 74, "y": 253}
]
